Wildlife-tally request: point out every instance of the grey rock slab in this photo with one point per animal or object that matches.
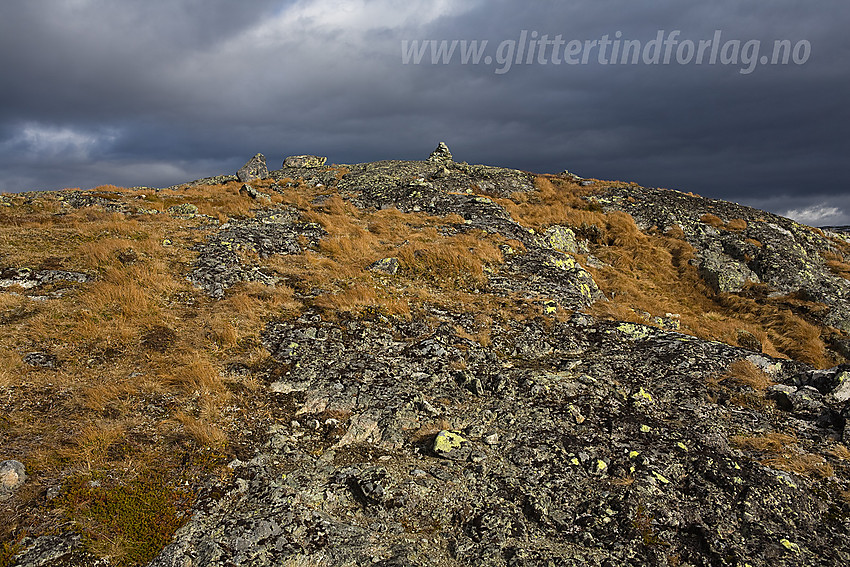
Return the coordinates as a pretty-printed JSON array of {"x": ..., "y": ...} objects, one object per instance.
[
  {"x": 13, "y": 475},
  {"x": 255, "y": 168}
]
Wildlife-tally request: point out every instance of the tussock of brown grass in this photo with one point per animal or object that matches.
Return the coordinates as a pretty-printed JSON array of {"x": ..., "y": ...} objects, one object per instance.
[
  {"x": 388, "y": 222},
  {"x": 736, "y": 224},
  {"x": 754, "y": 242},
  {"x": 197, "y": 374},
  {"x": 839, "y": 268},
  {"x": 840, "y": 452},
  {"x": 781, "y": 452},
  {"x": 206, "y": 434},
  {"x": 358, "y": 247},
  {"x": 221, "y": 331},
  {"x": 459, "y": 259},
  {"x": 10, "y": 368},
  {"x": 556, "y": 201},
  {"x": 712, "y": 220},
  {"x": 98, "y": 397},
  {"x": 806, "y": 464},
  {"x": 90, "y": 444},
  {"x": 745, "y": 373},
  {"x": 363, "y": 298},
  {"x": 836, "y": 262},
  {"x": 676, "y": 232},
  {"x": 768, "y": 443},
  {"x": 788, "y": 332}
]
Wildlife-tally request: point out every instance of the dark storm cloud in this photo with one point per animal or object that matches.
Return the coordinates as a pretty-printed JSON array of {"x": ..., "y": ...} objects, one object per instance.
[{"x": 160, "y": 92}]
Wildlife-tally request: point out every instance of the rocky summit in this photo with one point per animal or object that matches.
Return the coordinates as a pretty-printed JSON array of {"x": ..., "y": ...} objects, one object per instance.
[{"x": 419, "y": 363}]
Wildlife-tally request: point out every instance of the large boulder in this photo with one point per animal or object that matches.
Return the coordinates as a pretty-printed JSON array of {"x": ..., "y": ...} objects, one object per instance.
[
  {"x": 305, "y": 161},
  {"x": 254, "y": 169}
]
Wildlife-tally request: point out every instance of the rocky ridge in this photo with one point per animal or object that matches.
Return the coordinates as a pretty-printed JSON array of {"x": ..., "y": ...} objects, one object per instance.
[{"x": 454, "y": 437}]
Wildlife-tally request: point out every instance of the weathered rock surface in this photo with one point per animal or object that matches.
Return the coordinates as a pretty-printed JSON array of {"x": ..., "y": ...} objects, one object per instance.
[
  {"x": 28, "y": 278},
  {"x": 568, "y": 443},
  {"x": 254, "y": 169},
  {"x": 218, "y": 266}
]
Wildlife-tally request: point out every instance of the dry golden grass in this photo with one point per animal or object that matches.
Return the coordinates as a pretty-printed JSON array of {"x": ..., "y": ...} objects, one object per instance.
[
  {"x": 712, "y": 220},
  {"x": 745, "y": 373},
  {"x": 736, "y": 224},
  {"x": 11, "y": 368},
  {"x": 205, "y": 433},
  {"x": 840, "y": 452},
  {"x": 196, "y": 374},
  {"x": 839, "y": 268},
  {"x": 362, "y": 298},
  {"x": 91, "y": 444},
  {"x": 556, "y": 201},
  {"x": 781, "y": 451},
  {"x": 805, "y": 464},
  {"x": 457, "y": 260}
]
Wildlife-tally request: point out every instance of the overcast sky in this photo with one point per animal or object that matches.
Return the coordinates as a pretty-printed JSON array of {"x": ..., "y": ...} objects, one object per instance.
[{"x": 157, "y": 92}]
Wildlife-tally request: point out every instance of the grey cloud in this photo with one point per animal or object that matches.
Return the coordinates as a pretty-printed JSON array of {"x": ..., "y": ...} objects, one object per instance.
[{"x": 160, "y": 90}]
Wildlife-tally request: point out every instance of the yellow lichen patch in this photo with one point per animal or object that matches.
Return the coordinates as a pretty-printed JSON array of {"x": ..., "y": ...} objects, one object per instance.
[
  {"x": 635, "y": 332},
  {"x": 448, "y": 441}
]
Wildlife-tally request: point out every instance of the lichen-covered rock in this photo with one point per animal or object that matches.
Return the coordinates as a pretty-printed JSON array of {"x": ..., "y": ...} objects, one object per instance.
[
  {"x": 28, "y": 279},
  {"x": 724, "y": 274},
  {"x": 562, "y": 239},
  {"x": 56, "y": 551},
  {"x": 834, "y": 382},
  {"x": 579, "y": 442},
  {"x": 183, "y": 210},
  {"x": 218, "y": 265},
  {"x": 385, "y": 265},
  {"x": 451, "y": 445},
  {"x": 249, "y": 191},
  {"x": 305, "y": 161},
  {"x": 41, "y": 360},
  {"x": 255, "y": 168}
]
